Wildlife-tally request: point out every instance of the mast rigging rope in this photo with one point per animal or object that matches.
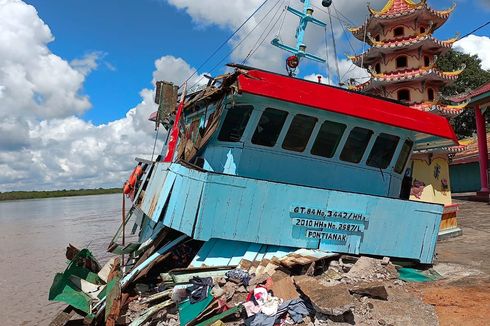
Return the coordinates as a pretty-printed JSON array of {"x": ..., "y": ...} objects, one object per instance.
[
  {"x": 334, "y": 44},
  {"x": 225, "y": 42},
  {"x": 257, "y": 45}
]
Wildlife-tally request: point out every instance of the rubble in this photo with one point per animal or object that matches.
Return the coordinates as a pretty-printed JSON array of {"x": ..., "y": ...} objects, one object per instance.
[{"x": 307, "y": 287}]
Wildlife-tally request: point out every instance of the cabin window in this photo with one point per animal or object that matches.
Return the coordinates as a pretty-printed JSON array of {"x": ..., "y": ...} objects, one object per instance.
[
  {"x": 269, "y": 127},
  {"x": 399, "y": 31},
  {"x": 403, "y": 95},
  {"x": 235, "y": 122},
  {"x": 402, "y": 61},
  {"x": 426, "y": 61},
  {"x": 299, "y": 133},
  {"x": 356, "y": 144},
  {"x": 404, "y": 155},
  {"x": 377, "y": 68},
  {"x": 383, "y": 150},
  {"x": 328, "y": 139},
  {"x": 430, "y": 94}
]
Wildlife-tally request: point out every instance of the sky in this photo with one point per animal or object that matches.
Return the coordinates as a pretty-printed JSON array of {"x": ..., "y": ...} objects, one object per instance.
[{"x": 77, "y": 77}]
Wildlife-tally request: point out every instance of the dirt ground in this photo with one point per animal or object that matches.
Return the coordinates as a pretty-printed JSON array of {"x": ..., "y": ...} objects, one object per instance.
[{"x": 463, "y": 297}]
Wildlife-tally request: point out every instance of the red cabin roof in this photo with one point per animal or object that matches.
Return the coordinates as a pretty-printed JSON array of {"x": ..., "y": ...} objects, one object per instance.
[{"x": 338, "y": 100}]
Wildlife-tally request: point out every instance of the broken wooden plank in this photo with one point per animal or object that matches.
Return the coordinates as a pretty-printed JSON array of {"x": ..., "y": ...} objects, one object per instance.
[
  {"x": 63, "y": 316},
  {"x": 150, "y": 312}
]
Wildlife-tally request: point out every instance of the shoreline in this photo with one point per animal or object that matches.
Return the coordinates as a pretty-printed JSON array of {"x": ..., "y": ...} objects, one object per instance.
[{"x": 25, "y": 195}]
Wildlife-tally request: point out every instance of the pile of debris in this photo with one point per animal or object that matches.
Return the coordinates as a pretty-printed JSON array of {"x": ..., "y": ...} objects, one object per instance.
[
  {"x": 306, "y": 286},
  {"x": 325, "y": 289}
]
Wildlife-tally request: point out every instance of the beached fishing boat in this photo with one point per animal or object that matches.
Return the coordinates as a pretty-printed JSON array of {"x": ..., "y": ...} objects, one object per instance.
[{"x": 259, "y": 165}]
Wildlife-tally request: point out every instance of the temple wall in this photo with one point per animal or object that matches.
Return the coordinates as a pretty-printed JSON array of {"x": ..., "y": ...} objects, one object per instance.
[{"x": 431, "y": 179}]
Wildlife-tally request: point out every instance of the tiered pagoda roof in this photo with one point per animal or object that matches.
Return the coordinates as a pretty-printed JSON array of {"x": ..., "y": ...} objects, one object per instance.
[
  {"x": 401, "y": 10},
  {"x": 425, "y": 73},
  {"x": 446, "y": 110},
  {"x": 424, "y": 41}
]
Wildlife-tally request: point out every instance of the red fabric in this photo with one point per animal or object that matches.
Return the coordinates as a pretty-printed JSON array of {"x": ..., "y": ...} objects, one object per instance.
[
  {"x": 345, "y": 102},
  {"x": 174, "y": 134}
]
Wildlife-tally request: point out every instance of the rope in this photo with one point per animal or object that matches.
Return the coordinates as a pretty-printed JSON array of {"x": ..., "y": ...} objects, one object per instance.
[
  {"x": 252, "y": 52},
  {"x": 224, "y": 43},
  {"x": 326, "y": 56},
  {"x": 254, "y": 47},
  {"x": 233, "y": 49},
  {"x": 477, "y": 29},
  {"x": 334, "y": 43},
  {"x": 364, "y": 45},
  {"x": 156, "y": 137},
  {"x": 283, "y": 19},
  {"x": 344, "y": 29}
]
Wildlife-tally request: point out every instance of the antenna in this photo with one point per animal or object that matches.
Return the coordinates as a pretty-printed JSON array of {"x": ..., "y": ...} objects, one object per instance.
[{"x": 299, "y": 51}]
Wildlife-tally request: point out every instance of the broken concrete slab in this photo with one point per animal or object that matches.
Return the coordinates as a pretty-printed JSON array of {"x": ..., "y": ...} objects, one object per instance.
[
  {"x": 375, "y": 291},
  {"x": 283, "y": 286},
  {"x": 330, "y": 300}
]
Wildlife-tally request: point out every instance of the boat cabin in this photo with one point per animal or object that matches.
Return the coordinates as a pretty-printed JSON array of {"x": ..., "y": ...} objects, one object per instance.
[{"x": 312, "y": 135}]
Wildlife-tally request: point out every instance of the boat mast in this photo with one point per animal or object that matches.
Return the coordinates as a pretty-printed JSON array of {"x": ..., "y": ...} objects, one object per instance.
[{"x": 299, "y": 51}]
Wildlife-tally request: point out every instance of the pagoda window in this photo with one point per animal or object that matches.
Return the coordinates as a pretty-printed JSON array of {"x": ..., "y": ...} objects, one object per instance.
[
  {"x": 426, "y": 61},
  {"x": 430, "y": 94},
  {"x": 356, "y": 145},
  {"x": 269, "y": 127},
  {"x": 422, "y": 30},
  {"x": 377, "y": 38},
  {"x": 299, "y": 133},
  {"x": 402, "y": 61},
  {"x": 399, "y": 31},
  {"x": 403, "y": 95},
  {"x": 328, "y": 139},
  {"x": 235, "y": 122},
  {"x": 377, "y": 68}
]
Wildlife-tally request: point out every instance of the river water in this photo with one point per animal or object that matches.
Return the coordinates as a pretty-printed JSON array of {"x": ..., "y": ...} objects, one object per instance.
[{"x": 33, "y": 238}]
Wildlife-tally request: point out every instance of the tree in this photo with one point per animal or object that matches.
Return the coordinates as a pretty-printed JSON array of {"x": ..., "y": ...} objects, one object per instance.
[{"x": 471, "y": 78}]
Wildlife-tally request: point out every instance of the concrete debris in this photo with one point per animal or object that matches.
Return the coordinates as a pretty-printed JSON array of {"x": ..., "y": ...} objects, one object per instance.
[
  {"x": 306, "y": 287},
  {"x": 375, "y": 291},
  {"x": 329, "y": 300}
]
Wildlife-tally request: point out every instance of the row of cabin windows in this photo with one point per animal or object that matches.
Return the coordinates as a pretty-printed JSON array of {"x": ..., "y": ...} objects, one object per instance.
[{"x": 327, "y": 140}]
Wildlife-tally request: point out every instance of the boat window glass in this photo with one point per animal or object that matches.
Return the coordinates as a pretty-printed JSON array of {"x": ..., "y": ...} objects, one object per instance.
[
  {"x": 356, "y": 144},
  {"x": 328, "y": 139},
  {"x": 235, "y": 122},
  {"x": 269, "y": 127},
  {"x": 404, "y": 155},
  {"x": 299, "y": 133},
  {"x": 383, "y": 150}
]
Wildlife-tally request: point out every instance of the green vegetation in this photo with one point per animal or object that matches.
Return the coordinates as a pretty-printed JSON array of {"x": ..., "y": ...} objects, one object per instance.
[
  {"x": 472, "y": 77},
  {"x": 14, "y": 195}
]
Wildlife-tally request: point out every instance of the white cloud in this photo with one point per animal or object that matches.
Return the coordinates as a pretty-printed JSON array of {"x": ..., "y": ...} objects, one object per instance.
[
  {"x": 476, "y": 45},
  {"x": 88, "y": 62},
  {"x": 44, "y": 144},
  {"x": 265, "y": 25}
]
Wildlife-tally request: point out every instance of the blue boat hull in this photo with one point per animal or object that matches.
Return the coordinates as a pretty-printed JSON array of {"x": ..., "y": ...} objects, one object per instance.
[{"x": 206, "y": 205}]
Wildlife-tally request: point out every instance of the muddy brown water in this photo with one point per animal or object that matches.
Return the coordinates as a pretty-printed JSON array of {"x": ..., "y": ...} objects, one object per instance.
[{"x": 33, "y": 238}]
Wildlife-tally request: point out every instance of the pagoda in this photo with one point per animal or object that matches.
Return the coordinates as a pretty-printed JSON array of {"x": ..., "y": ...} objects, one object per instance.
[{"x": 402, "y": 62}]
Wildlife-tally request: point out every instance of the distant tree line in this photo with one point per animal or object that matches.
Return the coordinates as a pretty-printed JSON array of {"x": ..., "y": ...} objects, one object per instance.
[{"x": 15, "y": 195}]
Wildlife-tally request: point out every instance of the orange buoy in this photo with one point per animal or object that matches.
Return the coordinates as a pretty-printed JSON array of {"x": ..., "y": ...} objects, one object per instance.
[{"x": 133, "y": 179}]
